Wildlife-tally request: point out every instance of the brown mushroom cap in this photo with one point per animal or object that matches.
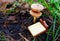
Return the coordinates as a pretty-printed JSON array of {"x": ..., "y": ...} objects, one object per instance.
[{"x": 35, "y": 14}]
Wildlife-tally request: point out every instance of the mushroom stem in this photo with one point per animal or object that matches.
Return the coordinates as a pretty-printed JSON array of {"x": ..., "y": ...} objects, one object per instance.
[{"x": 35, "y": 19}]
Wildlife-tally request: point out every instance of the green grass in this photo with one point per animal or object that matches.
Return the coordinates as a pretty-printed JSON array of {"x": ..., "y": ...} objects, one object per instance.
[{"x": 54, "y": 23}]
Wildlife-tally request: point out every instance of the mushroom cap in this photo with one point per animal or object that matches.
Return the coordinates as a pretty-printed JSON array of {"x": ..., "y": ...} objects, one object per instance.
[
  {"x": 37, "y": 6},
  {"x": 37, "y": 15}
]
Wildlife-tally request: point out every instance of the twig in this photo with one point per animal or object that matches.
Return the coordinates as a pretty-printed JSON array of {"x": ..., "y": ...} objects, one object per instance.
[{"x": 23, "y": 37}]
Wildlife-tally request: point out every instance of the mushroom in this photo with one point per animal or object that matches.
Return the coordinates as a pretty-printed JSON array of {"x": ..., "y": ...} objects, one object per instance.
[{"x": 36, "y": 10}]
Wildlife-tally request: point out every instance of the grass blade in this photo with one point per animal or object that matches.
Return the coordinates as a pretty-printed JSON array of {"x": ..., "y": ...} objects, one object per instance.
[{"x": 54, "y": 28}]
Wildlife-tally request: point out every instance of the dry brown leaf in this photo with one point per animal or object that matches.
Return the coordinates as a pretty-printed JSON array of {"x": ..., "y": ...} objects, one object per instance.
[{"x": 3, "y": 4}]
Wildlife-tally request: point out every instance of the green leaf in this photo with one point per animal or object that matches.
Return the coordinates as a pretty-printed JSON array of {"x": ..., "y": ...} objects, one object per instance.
[
  {"x": 57, "y": 5},
  {"x": 51, "y": 1},
  {"x": 56, "y": 1}
]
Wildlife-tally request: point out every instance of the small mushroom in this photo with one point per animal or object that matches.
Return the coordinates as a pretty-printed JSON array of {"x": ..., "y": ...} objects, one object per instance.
[{"x": 36, "y": 10}]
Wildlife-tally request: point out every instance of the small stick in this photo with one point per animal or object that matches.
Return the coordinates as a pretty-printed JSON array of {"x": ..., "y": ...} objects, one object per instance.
[{"x": 23, "y": 37}]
